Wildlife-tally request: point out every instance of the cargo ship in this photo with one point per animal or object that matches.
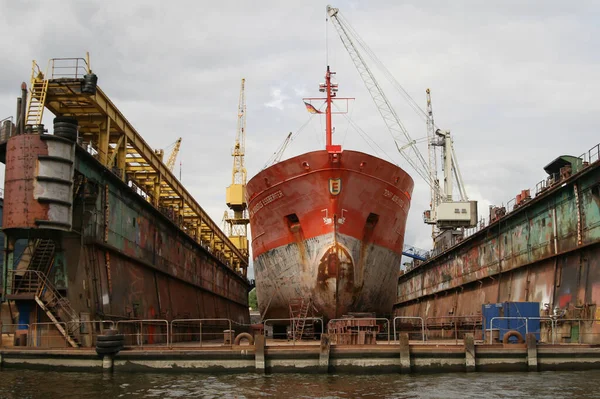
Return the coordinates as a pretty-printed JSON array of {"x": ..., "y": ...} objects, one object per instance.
[{"x": 328, "y": 229}]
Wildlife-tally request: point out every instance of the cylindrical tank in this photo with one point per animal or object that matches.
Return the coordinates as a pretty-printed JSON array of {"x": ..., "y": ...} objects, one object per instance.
[{"x": 38, "y": 182}]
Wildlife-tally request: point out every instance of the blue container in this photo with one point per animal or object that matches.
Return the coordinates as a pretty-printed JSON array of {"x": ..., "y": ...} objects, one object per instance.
[{"x": 511, "y": 317}]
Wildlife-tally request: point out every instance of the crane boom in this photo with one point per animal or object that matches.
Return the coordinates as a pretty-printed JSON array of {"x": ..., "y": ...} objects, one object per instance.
[
  {"x": 408, "y": 150},
  {"x": 173, "y": 156},
  {"x": 445, "y": 212},
  {"x": 239, "y": 169}
]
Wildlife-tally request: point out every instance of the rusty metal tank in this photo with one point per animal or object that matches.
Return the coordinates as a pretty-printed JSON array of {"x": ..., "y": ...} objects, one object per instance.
[{"x": 39, "y": 178}]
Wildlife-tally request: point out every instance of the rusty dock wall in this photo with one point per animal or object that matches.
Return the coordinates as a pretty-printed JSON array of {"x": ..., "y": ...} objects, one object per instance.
[
  {"x": 120, "y": 258},
  {"x": 546, "y": 249}
]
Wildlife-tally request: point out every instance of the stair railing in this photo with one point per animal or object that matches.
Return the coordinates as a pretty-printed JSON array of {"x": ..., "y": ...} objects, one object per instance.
[{"x": 52, "y": 298}]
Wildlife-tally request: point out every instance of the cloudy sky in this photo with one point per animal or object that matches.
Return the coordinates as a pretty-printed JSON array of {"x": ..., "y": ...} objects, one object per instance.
[{"x": 515, "y": 81}]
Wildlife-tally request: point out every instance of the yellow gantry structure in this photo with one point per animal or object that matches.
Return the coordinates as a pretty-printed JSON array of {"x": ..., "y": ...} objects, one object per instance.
[
  {"x": 236, "y": 225},
  {"x": 113, "y": 140}
]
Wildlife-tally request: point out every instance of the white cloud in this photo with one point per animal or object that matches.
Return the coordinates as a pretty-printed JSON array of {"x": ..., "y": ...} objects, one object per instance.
[{"x": 277, "y": 99}]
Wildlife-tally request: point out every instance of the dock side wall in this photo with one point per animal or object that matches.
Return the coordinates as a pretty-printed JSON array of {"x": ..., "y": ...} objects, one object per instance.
[
  {"x": 547, "y": 251},
  {"x": 136, "y": 263}
]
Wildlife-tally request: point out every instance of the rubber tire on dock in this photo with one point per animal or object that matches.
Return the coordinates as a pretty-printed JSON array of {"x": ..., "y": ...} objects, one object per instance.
[
  {"x": 111, "y": 342},
  {"x": 109, "y": 351},
  {"x": 116, "y": 337},
  {"x": 66, "y": 127},
  {"x": 512, "y": 333},
  {"x": 243, "y": 335}
]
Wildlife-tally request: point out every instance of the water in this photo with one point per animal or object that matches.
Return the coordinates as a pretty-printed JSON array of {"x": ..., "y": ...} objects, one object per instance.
[{"x": 17, "y": 384}]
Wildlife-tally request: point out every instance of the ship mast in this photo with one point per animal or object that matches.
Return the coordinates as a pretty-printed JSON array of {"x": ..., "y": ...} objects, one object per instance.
[
  {"x": 331, "y": 90},
  {"x": 331, "y": 94}
]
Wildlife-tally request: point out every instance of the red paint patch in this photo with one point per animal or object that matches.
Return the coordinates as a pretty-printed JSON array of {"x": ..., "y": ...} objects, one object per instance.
[{"x": 564, "y": 300}]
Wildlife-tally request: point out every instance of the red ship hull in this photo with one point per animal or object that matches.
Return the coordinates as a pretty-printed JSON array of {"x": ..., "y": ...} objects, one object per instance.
[{"x": 329, "y": 228}]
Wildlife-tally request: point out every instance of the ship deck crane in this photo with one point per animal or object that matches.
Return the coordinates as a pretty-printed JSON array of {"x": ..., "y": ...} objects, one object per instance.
[
  {"x": 236, "y": 224},
  {"x": 445, "y": 213}
]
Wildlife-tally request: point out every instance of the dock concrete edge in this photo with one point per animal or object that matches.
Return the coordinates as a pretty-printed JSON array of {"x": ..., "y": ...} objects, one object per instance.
[
  {"x": 324, "y": 354},
  {"x": 532, "y": 358},
  {"x": 470, "y": 353},
  {"x": 404, "y": 354},
  {"x": 259, "y": 353}
]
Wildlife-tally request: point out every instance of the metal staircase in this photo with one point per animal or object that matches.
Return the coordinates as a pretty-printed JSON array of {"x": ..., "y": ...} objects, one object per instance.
[
  {"x": 37, "y": 97},
  {"x": 43, "y": 256},
  {"x": 30, "y": 282},
  {"x": 299, "y": 309},
  {"x": 33, "y": 284}
]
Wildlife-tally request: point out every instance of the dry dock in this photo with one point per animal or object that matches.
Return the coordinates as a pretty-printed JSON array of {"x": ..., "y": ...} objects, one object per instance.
[{"x": 394, "y": 357}]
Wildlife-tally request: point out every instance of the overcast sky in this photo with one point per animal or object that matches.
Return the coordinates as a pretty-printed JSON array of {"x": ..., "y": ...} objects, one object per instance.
[{"x": 516, "y": 82}]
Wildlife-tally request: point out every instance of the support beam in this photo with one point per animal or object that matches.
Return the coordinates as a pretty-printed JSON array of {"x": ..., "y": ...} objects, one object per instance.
[
  {"x": 103, "y": 140},
  {"x": 259, "y": 353},
  {"x": 324, "y": 354},
  {"x": 470, "y": 352},
  {"x": 532, "y": 362},
  {"x": 404, "y": 354}
]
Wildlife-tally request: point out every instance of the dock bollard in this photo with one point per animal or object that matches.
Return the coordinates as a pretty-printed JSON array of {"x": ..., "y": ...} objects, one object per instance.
[
  {"x": 324, "y": 354},
  {"x": 532, "y": 362},
  {"x": 404, "y": 354},
  {"x": 108, "y": 362},
  {"x": 259, "y": 353},
  {"x": 469, "y": 352}
]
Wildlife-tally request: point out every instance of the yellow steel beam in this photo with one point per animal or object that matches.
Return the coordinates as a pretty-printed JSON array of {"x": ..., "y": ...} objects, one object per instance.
[{"x": 64, "y": 100}]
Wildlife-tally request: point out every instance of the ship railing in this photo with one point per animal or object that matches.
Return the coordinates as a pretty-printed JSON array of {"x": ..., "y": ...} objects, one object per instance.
[
  {"x": 591, "y": 156},
  {"x": 587, "y": 330},
  {"x": 452, "y": 327},
  {"x": 407, "y": 325},
  {"x": 86, "y": 331},
  {"x": 47, "y": 335},
  {"x": 13, "y": 334},
  {"x": 358, "y": 329},
  {"x": 201, "y": 332},
  {"x": 70, "y": 68},
  {"x": 148, "y": 332},
  {"x": 289, "y": 335}
]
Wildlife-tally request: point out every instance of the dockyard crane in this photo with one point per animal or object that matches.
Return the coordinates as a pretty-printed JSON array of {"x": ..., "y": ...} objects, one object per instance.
[
  {"x": 237, "y": 224},
  {"x": 445, "y": 213},
  {"x": 173, "y": 156}
]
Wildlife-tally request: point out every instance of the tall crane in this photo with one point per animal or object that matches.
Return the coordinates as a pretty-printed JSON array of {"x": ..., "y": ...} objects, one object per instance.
[
  {"x": 173, "y": 156},
  {"x": 447, "y": 213},
  {"x": 236, "y": 224}
]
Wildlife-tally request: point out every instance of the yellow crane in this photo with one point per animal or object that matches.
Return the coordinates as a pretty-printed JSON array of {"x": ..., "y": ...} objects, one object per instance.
[
  {"x": 173, "y": 156},
  {"x": 236, "y": 225}
]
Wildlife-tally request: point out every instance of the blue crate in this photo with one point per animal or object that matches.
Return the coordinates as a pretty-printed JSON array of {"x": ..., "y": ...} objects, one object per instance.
[{"x": 511, "y": 309}]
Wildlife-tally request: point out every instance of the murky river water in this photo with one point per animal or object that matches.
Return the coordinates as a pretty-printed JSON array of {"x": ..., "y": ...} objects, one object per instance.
[{"x": 39, "y": 384}]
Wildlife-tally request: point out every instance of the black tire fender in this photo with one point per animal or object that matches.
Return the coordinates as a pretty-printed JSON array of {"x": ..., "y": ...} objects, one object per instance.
[
  {"x": 108, "y": 351},
  {"x": 109, "y": 344},
  {"x": 113, "y": 337}
]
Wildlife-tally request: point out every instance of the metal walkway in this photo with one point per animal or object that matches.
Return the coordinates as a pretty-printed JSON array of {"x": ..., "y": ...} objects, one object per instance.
[{"x": 111, "y": 138}]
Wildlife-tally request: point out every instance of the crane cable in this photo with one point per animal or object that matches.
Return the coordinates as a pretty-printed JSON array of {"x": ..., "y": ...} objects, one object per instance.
[
  {"x": 411, "y": 102},
  {"x": 272, "y": 158}
]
